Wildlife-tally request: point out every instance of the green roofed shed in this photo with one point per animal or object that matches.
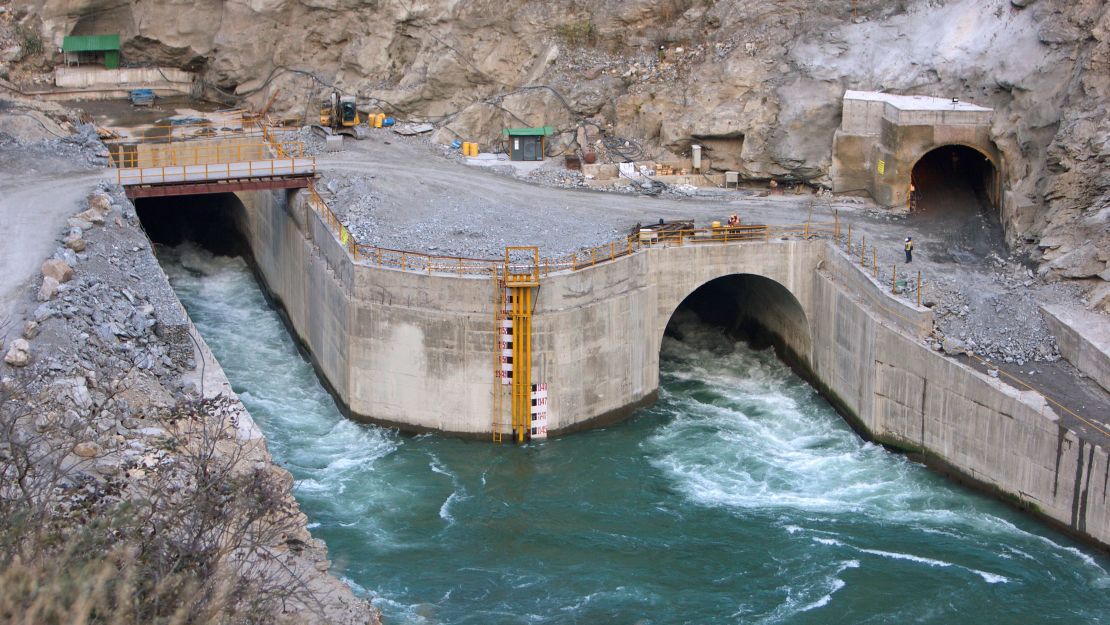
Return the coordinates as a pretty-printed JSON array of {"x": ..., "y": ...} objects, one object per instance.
[
  {"x": 542, "y": 131},
  {"x": 527, "y": 144},
  {"x": 92, "y": 49}
]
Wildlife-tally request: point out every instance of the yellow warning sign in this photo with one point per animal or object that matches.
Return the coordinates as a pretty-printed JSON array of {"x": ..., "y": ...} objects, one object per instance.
[
  {"x": 343, "y": 236},
  {"x": 882, "y": 167}
]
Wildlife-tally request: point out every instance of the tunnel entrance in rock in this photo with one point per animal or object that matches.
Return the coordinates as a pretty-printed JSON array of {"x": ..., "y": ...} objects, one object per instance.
[
  {"x": 955, "y": 195},
  {"x": 954, "y": 179},
  {"x": 753, "y": 309},
  {"x": 204, "y": 220}
]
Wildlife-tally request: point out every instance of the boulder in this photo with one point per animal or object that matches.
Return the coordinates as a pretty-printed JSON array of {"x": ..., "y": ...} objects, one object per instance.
[
  {"x": 86, "y": 449},
  {"x": 58, "y": 270},
  {"x": 30, "y": 329},
  {"x": 954, "y": 346},
  {"x": 19, "y": 354},
  {"x": 92, "y": 216},
  {"x": 80, "y": 224},
  {"x": 48, "y": 289},
  {"x": 75, "y": 242},
  {"x": 100, "y": 202}
]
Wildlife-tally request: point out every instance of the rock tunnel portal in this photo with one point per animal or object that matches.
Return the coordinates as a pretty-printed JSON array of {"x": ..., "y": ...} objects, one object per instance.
[{"x": 954, "y": 179}]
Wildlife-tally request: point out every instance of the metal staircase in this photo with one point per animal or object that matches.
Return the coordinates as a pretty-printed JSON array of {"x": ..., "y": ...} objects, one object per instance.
[{"x": 514, "y": 286}]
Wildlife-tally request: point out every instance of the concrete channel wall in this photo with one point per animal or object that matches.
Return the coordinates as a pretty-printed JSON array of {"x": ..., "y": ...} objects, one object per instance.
[{"x": 417, "y": 351}]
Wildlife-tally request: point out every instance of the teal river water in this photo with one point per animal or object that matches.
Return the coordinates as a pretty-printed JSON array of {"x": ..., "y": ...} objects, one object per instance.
[{"x": 740, "y": 497}]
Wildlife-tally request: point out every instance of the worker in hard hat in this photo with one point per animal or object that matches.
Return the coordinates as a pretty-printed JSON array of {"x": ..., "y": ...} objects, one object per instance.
[{"x": 909, "y": 249}]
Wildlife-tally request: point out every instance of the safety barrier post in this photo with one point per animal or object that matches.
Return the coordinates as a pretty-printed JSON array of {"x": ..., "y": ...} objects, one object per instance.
[
  {"x": 849, "y": 238},
  {"x": 919, "y": 288},
  {"x": 593, "y": 256},
  {"x": 863, "y": 252},
  {"x": 894, "y": 279},
  {"x": 612, "y": 250},
  {"x": 874, "y": 262},
  {"x": 574, "y": 261},
  {"x": 807, "y": 229},
  {"x": 836, "y": 224},
  {"x": 379, "y": 250}
]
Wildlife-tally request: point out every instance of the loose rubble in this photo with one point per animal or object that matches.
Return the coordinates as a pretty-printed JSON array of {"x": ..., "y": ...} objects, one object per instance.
[{"x": 109, "y": 362}]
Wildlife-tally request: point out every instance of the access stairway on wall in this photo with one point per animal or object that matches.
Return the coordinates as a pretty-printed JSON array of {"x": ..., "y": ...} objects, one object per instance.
[{"x": 515, "y": 284}]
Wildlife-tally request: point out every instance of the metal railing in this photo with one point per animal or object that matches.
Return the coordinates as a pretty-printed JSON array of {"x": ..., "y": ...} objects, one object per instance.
[
  {"x": 616, "y": 249},
  {"x": 171, "y": 155},
  {"x": 911, "y": 289},
  {"x": 272, "y": 168}
]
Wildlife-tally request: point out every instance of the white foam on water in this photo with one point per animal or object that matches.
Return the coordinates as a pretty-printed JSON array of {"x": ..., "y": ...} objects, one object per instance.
[
  {"x": 837, "y": 584},
  {"x": 990, "y": 578},
  {"x": 906, "y": 556},
  {"x": 445, "y": 509}
]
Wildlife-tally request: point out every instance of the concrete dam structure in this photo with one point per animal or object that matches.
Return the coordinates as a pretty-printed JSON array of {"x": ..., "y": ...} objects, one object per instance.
[{"x": 419, "y": 348}]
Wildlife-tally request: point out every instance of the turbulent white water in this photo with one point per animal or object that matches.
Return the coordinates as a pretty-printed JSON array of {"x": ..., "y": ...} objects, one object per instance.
[{"x": 741, "y": 497}]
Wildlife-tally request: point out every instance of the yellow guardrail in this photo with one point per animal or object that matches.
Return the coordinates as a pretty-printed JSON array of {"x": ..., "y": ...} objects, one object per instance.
[
  {"x": 618, "y": 248},
  {"x": 170, "y": 155},
  {"x": 212, "y": 172}
]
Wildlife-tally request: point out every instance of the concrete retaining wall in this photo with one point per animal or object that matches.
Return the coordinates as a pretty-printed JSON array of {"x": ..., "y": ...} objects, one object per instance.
[
  {"x": 899, "y": 392},
  {"x": 1084, "y": 340},
  {"x": 418, "y": 350},
  {"x": 128, "y": 77}
]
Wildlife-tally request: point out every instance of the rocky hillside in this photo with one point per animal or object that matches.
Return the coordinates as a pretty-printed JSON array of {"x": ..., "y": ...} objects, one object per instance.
[{"x": 759, "y": 83}]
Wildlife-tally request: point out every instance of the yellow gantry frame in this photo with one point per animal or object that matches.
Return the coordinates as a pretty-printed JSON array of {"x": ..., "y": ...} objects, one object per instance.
[{"x": 520, "y": 280}]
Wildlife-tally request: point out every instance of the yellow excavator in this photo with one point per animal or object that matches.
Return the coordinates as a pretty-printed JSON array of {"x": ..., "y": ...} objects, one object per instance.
[{"x": 340, "y": 116}]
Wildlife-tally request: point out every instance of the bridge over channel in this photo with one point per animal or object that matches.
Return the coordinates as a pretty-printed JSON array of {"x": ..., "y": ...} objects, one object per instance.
[{"x": 254, "y": 160}]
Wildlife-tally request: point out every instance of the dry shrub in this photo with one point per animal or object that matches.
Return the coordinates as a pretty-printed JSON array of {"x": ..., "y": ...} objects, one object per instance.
[{"x": 195, "y": 539}]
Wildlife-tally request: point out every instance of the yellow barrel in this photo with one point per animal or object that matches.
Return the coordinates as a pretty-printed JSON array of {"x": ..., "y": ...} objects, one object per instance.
[
  {"x": 716, "y": 224},
  {"x": 378, "y": 117},
  {"x": 466, "y": 148}
]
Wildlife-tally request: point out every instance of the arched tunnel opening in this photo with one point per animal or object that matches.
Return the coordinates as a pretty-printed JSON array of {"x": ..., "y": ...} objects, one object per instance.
[
  {"x": 953, "y": 178},
  {"x": 954, "y": 191},
  {"x": 753, "y": 309},
  {"x": 204, "y": 220}
]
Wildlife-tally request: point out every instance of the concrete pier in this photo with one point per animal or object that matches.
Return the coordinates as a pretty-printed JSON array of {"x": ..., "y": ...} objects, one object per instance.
[{"x": 418, "y": 350}]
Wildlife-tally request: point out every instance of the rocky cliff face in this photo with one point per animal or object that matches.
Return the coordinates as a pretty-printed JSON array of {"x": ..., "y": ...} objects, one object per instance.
[{"x": 759, "y": 84}]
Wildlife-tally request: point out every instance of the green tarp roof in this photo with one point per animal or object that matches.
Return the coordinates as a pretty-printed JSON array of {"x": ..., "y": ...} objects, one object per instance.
[
  {"x": 545, "y": 131},
  {"x": 90, "y": 43}
]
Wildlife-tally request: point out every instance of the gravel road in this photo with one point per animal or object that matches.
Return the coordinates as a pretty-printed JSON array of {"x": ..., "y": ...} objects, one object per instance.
[{"x": 42, "y": 187}]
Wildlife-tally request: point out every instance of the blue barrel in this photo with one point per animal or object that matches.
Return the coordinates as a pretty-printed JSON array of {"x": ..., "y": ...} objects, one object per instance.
[
  {"x": 388, "y": 121},
  {"x": 456, "y": 144}
]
